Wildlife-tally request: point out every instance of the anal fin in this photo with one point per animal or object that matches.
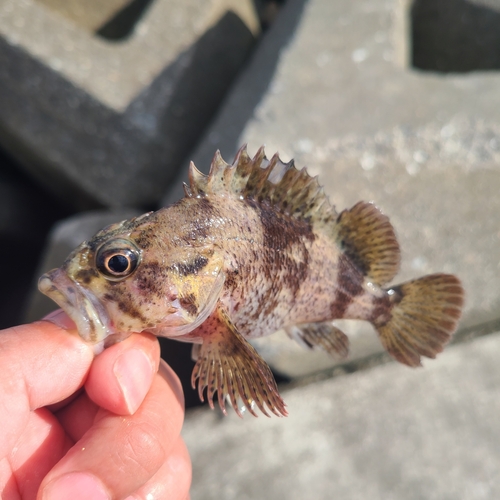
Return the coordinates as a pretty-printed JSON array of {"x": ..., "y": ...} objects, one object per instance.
[
  {"x": 229, "y": 365},
  {"x": 325, "y": 335}
]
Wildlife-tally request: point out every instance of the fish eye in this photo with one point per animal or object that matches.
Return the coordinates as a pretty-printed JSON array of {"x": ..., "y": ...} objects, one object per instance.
[{"x": 117, "y": 259}]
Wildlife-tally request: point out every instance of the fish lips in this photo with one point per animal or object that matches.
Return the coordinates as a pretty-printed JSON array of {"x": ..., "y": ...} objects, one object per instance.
[{"x": 89, "y": 315}]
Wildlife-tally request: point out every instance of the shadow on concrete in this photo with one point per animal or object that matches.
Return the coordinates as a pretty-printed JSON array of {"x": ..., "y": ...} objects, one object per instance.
[
  {"x": 122, "y": 24},
  {"x": 463, "y": 335},
  {"x": 454, "y": 36}
]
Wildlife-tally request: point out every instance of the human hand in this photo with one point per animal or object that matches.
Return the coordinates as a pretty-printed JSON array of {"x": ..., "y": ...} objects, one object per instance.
[{"x": 118, "y": 439}]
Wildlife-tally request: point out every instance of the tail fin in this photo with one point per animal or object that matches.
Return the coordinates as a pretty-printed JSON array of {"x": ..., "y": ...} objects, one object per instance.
[{"x": 423, "y": 319}]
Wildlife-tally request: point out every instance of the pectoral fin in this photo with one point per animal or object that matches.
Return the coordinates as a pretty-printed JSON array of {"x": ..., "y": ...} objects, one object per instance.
[
  {"x": 325, "y": 335},
  {"x": 228, "y": 364}
]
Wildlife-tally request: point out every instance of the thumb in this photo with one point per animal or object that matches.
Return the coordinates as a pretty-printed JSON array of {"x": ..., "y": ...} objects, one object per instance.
[{"x": 121, "y": 376}]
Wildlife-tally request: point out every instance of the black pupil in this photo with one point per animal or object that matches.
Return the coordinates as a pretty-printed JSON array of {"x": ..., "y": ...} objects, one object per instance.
[{"x": 118, "y": 263}]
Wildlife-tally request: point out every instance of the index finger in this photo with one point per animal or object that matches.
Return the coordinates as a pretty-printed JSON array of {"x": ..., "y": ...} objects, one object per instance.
[{"x": 41, "y": 364}]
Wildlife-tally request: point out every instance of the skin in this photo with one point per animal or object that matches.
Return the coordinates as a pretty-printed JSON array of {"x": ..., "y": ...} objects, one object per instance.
[{"x": 78, "y": 426}]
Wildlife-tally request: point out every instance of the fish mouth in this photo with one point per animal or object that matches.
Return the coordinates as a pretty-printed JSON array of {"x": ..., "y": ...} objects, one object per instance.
[{"x": 89, "y": 315}]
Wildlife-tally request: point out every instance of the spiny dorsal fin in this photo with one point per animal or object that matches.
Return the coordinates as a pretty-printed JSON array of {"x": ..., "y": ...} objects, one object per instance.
[
  {"x": 367, "y": 237},
  {"x": 289, "y": 190}
]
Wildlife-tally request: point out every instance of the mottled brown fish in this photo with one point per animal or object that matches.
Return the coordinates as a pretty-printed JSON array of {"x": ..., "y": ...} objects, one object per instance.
[{"x": 253, "y": 247}]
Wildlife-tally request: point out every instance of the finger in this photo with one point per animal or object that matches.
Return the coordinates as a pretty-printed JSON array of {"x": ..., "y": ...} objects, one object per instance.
[
  {"x": 8, "y": 486},
  {"x": 121, "y": 376},
  {"x": 173, "y": 479},
  {"x": 41, "y": 445},
  {"x": 119, "y": 454},
  {"x": 41, "y": 364},
  {"x": 78, "y": 417}
]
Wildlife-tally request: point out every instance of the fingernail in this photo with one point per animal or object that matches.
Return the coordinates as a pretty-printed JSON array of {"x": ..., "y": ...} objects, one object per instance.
[
  {"x": 134, "y": 372},
  {"x": 61, "y": 319},
  {"x": 77, "y": 486}
]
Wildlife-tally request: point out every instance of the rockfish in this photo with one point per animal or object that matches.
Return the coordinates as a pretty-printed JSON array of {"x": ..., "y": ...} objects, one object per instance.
[{"x": 252, "y": 248}]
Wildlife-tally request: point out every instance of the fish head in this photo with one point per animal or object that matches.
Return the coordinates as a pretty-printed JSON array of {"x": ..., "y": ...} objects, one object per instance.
[{"x": 131, "y": 278}]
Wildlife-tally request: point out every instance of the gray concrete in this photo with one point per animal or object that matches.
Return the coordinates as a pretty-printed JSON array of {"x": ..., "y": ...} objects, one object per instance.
[
  {"x": 106, "y": 122},
  {"x": 389, "y": 433}
]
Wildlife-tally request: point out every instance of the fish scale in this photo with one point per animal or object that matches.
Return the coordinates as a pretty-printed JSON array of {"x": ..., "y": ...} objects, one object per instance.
[{"x": 253, "y": 247}]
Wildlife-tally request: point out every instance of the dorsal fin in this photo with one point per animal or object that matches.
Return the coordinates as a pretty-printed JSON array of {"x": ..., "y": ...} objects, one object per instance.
[
  {"x": 367, "y": 237},
  {"x": 287, "y": 189}
]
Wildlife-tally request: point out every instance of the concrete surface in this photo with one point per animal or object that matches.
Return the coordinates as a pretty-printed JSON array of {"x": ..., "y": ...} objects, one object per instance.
[
  {"x": 106, "y": 122},
  {"x": 389, "y": 433}
]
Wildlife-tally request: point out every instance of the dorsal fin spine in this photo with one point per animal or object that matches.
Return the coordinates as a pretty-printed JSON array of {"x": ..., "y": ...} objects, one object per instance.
[
  {"x": 197, "y": 180},
  {"x": 216, "y": 176},
  {"x": 289, "y": 190},
  {"x": 187, "y": 191},
  {"x": 260, "y": 179}
]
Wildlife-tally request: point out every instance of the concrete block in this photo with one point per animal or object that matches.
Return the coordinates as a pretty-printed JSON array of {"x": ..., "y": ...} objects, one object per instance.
[
  {"x": 456, "y": 35},
  {"x": 107, "y": 122},
  {"x": 388, "y": 433},
  {"x": 332, "y": 85}
]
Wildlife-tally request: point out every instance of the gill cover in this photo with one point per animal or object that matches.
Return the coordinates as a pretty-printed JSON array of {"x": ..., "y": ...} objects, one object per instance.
[{"x": 196, "y": 283}]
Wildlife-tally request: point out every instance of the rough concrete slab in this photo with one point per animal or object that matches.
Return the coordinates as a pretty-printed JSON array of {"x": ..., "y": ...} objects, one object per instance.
[
  {"x": 389, "y": 433},
  {"x": 424, "y": 146},
  {"x": 106, "y": 122}
]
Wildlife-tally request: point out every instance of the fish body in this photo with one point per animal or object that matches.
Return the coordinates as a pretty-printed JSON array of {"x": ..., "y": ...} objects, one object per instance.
[{"x": 252, "y": 248}]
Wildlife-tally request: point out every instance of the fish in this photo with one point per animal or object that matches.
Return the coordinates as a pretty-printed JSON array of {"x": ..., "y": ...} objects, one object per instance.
[{"x": 253, "y": 247}]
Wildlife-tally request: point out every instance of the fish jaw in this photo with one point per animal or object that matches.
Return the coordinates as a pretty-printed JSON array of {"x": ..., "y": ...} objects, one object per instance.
[{"x": 90, "y": 316}]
